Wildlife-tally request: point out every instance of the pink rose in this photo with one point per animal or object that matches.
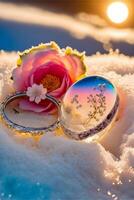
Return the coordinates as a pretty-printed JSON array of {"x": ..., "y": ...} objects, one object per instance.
[{"x": 51, "y": 67}]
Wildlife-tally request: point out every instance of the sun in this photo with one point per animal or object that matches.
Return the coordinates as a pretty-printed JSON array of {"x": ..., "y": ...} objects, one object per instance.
[{"x": 117, "y": 12}]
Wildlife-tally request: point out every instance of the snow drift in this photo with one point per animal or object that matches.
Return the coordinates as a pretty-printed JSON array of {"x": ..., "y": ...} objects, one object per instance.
[{"x": 60, "y": 168}]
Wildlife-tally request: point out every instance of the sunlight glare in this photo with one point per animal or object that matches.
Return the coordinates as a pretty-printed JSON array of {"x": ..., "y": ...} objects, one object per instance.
[{"x": 117, "y": 12}]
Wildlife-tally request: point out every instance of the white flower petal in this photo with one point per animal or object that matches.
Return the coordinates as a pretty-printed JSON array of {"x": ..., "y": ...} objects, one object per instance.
[
  {"x": 43, "y": 96},
  {"x": 32, "y": 98},
  {"x": 36, "y": 93},
  {"x": 34, "y": 86},
  {"x": 29, "y": 88},
  {"x": 37, "y": 99},
  {"x": 41, "y": 86},
  {"x": 45, "y": 90},
  {"x": 28, "y": 92}
]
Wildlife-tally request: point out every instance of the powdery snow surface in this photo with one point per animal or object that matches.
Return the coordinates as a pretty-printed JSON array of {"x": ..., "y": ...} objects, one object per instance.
[{"x": 58, "y": 168}]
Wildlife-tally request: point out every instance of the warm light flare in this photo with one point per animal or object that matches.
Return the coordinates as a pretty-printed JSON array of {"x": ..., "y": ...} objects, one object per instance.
[{"x": 117, "y": 12}]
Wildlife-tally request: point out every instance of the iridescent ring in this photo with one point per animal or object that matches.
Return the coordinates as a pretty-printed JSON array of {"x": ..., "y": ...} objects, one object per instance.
[
  {"x": 29, "y": 130},
  {"x": 89, "y": 106}
]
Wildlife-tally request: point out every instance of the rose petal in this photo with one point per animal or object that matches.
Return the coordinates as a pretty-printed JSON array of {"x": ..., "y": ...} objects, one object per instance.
[
  {"x": 49, "y": 68},
  {"x": 45, "y": 57},
  {"x": 74, "y": 65},
  {"x": 18, "y": 84},
  {"x": 25, "y": 104},
  {"x": 66, "y": 82}
]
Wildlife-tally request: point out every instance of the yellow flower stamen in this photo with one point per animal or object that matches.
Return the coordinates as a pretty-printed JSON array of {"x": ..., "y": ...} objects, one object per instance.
[{"x": 50, "y": 82}]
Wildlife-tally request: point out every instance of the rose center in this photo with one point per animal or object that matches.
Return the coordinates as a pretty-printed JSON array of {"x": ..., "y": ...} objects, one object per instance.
[{"x": 50, "y": 82}]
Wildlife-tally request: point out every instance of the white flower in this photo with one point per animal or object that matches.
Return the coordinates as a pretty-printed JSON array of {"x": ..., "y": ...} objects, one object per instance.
[{"x": 36, "y": 93}]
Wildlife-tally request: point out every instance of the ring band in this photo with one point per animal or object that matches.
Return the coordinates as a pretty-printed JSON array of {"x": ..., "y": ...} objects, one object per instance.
[{"x": 20, "y": 128}]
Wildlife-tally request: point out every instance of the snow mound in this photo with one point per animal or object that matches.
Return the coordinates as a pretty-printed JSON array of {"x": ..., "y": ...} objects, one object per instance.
[{"x": 62, "y": 169}]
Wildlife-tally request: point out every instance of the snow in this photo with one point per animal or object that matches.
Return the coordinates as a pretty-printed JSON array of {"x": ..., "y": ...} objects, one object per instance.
[{"x": 58, "y": 168}]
